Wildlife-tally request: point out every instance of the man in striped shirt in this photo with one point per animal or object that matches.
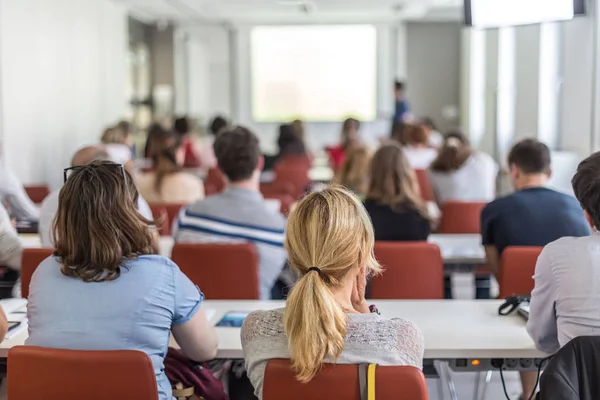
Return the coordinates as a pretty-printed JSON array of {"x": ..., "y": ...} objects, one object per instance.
[{"x": 239, "y": 213}]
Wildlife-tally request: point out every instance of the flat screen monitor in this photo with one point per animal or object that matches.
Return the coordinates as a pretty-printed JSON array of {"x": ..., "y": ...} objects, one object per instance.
[{"x": 499, "y": 13}]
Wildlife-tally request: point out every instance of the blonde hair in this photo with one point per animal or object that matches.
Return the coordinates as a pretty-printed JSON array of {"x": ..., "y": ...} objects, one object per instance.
[
  {"x": 354, "y": 173},
  {"x": 329, "y": 230}
]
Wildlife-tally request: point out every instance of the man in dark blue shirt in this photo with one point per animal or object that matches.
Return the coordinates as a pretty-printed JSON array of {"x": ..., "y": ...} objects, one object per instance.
[
  {"x": 402, "y": 109},
  {"x": 532, "y": 216}
]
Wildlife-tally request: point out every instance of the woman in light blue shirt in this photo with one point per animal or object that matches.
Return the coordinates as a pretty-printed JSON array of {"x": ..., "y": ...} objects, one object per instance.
[{"x": 104, "y": 288}]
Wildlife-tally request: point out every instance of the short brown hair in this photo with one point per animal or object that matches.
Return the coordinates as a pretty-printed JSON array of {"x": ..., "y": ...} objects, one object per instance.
[
  {"x": 237, "y": 151},
  {"x": 393, "y": 182},
  {"x": 531, "y": 156},
  {"x": 454, "y": 154},
  {"x": 415, "y": 134},
  {"x": 586, "y": 186},
  {"x": 97, "y": 226}
]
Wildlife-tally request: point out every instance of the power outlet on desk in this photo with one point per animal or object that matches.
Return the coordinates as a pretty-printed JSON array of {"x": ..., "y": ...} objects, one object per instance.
[
  {"x": 490, "y": 364},
  {"x": 511, "y": 363}
]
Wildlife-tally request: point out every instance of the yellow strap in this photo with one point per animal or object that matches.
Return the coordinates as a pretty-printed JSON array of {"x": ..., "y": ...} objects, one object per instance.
[{"x": 371, "y": 381}]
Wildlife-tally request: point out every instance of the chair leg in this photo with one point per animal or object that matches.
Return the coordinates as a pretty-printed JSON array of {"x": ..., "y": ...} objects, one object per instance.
[
  {"x": 444, "y": 371},
  {"x": 480, "y": 388}
]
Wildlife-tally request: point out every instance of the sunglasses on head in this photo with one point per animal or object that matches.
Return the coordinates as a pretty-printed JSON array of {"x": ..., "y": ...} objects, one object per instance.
[{"x": 67, "y": 172}]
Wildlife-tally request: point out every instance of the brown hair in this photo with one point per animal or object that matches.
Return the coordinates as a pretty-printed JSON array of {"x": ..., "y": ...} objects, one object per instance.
[
  {"x": 163, "y": 151},
  {"x": 393, "y": 182},
  {"x": 237, "y": 151},
  {"x": 415, "y": 134},
  {"x": 531, "y": 156},
  {"x": 354, "y": 173},
  {"x": 332, "y": 231},
  {"x": 454, "y": 154},
  {"x": 97, "y": 226},
  {"x": 586, "y": 186},
  {"x": 347, "y": 126},
  {"x": 113, "y": 135}
]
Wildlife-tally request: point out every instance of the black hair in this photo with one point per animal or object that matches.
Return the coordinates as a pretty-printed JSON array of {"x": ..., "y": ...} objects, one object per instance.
[
  {"x": 398, "y": 85},
  {"x": 182, "y": 126},
  {"x": 586, "y": 186},
  {"x": 218, "y": 124},
  {"x": 531, "y": 156}
]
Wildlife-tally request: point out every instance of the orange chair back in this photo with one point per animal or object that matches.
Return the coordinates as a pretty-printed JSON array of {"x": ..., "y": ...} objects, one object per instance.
[
  {"x": 337, "y": 381},
  {"x": 412, "y": 270},
  {"x": 424, "y": 184},
  {"x": 223, "y": 271},
  {"x": 30, "y": 260},
  {"x": 461, "y": 217},
  {"x": 160, "y": 215},
  {"x": 37, "y": 193},
  {"x": 173, "y": 212},
  {"x": 53, "y": 374},
  {"x": 291, "y": 179},
  {"x": 517, "y": 266},
  {"x": 214, "y": 182}
]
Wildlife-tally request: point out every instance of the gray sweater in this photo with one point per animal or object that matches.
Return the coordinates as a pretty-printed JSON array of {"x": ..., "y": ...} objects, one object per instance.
[{"x": 370, "y": 338}]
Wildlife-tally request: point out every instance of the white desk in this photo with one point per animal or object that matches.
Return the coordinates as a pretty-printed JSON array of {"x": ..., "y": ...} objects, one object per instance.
[{"x": 452, "y": 328}]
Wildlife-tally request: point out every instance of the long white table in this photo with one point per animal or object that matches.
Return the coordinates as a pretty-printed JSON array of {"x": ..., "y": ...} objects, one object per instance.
[{"x": 453, "y": 329}]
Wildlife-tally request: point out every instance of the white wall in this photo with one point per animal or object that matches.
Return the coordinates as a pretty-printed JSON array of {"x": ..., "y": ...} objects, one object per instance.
[{"x": 62, "y": 80}]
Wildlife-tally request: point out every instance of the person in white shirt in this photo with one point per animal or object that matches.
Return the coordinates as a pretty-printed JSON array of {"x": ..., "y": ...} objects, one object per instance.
[
  {"x": 50, "y": 204},
  {"x": 117, "y": 142},
  {"x": 436, "y": 139},
  {"x": 13, "y": 195},
  {"x": 565, "y": 299},
  {"x": 417, "y": 149},
  {"x": 459, "y": 173}
]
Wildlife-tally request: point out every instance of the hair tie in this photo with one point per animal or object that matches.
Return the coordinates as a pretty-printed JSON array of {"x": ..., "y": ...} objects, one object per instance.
[{"x": 314, "y": 269}]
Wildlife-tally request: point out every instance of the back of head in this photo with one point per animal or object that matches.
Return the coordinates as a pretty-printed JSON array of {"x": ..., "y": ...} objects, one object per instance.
[
  {"x": 354, "y": 173},
  {"x": 238, "y": 153},
  {"x": 163, "y": 149},
  {"x": 329, "y": 230},
  {"x": 125, "y": 126},
  {"x": 393, "y": 182},
  {"x": 113, "y": 135},
  {"x": 586, "y": 186},
  {"x": 455, "y": 152},
  {"x": 415, "y": 135},
  {"x": 428, "y": 123},
  {"x": 530, "y": 156},
  {"x": 399, "y": 86},
  {"x": 88, "y": 154},
  {"x": 298, "y": 126},
  {"x": 350, "y": 129},
  {"x": 218, "y": 125},
  {"x": 398, "y": 132},
  {"x": 289, "y": 143},
  {"x": 97, "y": 226},
  {"x": 182, "y": 126}
]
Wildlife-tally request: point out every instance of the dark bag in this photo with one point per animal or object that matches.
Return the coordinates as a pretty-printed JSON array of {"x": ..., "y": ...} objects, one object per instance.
[{"x": 184, "y": 374}]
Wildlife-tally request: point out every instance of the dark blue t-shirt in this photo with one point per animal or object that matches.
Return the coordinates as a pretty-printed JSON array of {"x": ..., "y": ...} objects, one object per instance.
[{"x": 532, "y": 217}]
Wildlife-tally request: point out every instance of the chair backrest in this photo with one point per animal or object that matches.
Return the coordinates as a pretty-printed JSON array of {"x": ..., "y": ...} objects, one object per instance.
[
  {"x": 223, "y": 271},
  {"x": 292, "y": 176},
  {"x": 54, "y": 374},
  {"x": 214, "y": 182},
  {"x": 37, "y": 193},
  {"x": 161, "y": 216},
  {"x": 336, "y": 381},
  {"x": 30, "y": 260},
  {"x": 517, "y": 266},
  {"x": 412, "y": 270},
  {"x": 461, "y": 217},
  {"x": 173, "y": 211},
  {"x": 424, "y": 184}
]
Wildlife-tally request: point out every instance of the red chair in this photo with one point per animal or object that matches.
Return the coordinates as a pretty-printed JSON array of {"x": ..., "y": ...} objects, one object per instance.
[
  {"x": 291, "y": 177},
  {"x": 214, "y": 182},
  {"x": 55, "y": 374},
  {"x": 223, "y": 271},
  {"x": 412, "y": 270},
  {"x": 37, "y": 193},
  {"x": 517, "y": 266},
  {"x": 424, "y": 184},
  {"x": 160, "y": 215},
  {"x": 461, "y": 217},
  {"x": 337, "y": 381},
  {"x": 30, "y": 260}
]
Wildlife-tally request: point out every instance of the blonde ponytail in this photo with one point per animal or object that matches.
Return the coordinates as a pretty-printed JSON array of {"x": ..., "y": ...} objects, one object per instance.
[{"x": 330, "y": 231}]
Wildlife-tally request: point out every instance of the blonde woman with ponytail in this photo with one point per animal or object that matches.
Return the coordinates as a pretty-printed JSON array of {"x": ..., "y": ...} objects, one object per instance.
[{"x": 329, "y": 242}]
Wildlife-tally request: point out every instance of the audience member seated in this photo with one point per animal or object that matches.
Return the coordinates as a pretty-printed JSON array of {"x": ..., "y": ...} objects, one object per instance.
[
  {"x": 354, "y": 173},
  {"x": 397, "y": 133},
  {"x": 11, "y": 250},
  {"x": 239, "y": 213},
  {"x": 290, "y": 144},
  {"x": 104, "y": 288},
  {"x": 14, "y": 197},
  {"x": 298, "y": 127},
  {"x": 350, "y": 139},
  {"x": 532, "y": 216},
  {"x": 564, "y": 302},
  {"x": 49, "y": 206},
  {"x": 118, "y": 144},
  {"x": 183, "y": 128},
  {"x": 155, "y": 130},
  {"x": 460, "y": 173},
  {"x": 217, "y": 125},
  {"x": 417, "y": 149},
  {"x": 168, "y": 183},
  {"x": 393, "y": 201},
  {"x": 436, "y": 139},
  {"x": 327, "y": 319}
]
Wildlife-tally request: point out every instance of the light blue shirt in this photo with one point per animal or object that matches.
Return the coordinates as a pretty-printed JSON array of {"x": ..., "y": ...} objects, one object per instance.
[{"x": 133, "y": 312}]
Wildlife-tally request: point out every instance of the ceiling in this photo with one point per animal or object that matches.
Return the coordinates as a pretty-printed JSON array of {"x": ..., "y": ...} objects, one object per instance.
[{"x": 293, "y": 11}]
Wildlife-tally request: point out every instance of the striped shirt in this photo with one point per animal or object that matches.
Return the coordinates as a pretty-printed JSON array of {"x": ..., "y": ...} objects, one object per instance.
[{"x": 238, "y": 215}]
